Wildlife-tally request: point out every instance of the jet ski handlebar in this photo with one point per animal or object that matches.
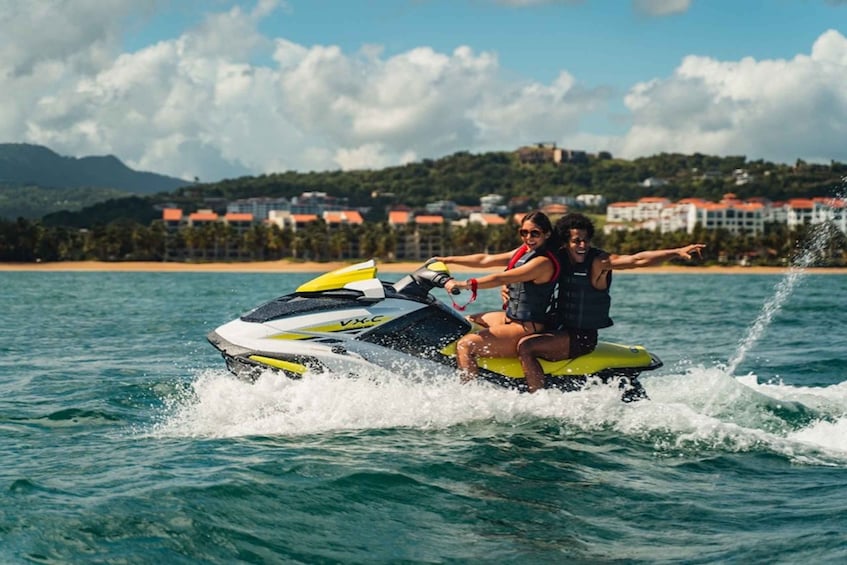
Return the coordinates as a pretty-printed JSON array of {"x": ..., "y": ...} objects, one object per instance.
[{"x": 433, "y": 274}]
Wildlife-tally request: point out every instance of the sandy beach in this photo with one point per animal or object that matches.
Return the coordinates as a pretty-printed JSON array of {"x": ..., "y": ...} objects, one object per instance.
[{"x": 287, "y": 266}]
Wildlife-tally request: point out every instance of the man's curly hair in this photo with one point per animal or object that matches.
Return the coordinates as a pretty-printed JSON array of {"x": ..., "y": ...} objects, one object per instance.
[{"x": 573, "y": 221}]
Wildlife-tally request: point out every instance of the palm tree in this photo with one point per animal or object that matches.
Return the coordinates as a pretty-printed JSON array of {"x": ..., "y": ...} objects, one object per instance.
[{"x": 337, "y": 242}]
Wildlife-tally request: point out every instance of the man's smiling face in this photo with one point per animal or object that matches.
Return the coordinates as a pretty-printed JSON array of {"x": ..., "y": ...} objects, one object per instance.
[{"x": 578, "y": 245}]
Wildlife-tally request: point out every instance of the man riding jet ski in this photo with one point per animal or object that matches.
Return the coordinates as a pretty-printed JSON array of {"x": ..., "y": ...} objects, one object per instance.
[{"x": 348, "y": 320}]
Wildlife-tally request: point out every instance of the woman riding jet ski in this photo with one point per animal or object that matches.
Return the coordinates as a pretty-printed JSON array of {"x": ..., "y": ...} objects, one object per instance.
[{"x": 348, "y": 320}]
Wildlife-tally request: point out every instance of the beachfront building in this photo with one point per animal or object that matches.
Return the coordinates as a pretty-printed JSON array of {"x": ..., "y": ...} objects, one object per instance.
[
  {"x": 492, "y": 204},
  {"x": 444, "y": 208},
  {"x": 259, "y": 207},
  {"x": 429, "y": 237},
  {"x": 317, "y": 203},
  {"x": 172, "y": 218},
  {"x": 284, "y": 219},
  {"x": 800, "y": 211},
  {"x": 646, "y": 213},
  {"x": 831, "y": 210},
  {"x": 590, "y": 200},
  {"x": 647, "y": 208},
  {"x": 343, "y": 237},
  {"x": 805, "y": 211},
  {"x": 747, "y": 217},
  {"x": 737, "y": 218},
  {"x": 653, "y": 182},
  {"x": 418, "y": 236},
  {"x": 238, "y": 224},
  {"x": 202, "y": 217},
  {"x": 543, "y": 152},
  {"x": 486, "y": 220},
  {"x": 400, "y": 222},
  {"x": 562, "y": 200}
]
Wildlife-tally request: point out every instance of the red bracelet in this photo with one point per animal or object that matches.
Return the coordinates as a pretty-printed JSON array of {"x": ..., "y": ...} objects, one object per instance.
[{"x": 474, "y": 286}]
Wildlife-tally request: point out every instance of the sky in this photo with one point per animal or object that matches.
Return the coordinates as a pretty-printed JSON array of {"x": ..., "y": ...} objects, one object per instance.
[{"x": 214, "y": 89}]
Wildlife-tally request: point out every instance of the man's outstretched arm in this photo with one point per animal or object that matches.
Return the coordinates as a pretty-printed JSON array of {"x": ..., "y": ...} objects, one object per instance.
[
  {"x": 606, "y": 263},
  {"x": 648, "y": 258}
]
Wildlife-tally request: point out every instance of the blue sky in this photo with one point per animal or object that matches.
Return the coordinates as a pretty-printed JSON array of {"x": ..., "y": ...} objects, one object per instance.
[{"x": 218, "y": 88}]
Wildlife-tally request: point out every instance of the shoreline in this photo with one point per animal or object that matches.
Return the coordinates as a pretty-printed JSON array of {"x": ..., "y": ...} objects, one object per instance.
[{"x": 287, "y": 266}]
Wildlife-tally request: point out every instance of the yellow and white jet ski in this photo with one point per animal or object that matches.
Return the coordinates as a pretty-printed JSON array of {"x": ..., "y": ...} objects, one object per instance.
[{"x": 349, "y": 320}]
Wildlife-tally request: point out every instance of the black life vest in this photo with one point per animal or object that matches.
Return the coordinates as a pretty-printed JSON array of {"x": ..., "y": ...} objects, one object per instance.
[
  {"x": 579, "y": 305},
  {"x": 528, "y": 301}
]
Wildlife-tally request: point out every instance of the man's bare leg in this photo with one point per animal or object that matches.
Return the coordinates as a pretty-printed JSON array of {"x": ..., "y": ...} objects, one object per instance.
[{"x": 552, "y": 347}]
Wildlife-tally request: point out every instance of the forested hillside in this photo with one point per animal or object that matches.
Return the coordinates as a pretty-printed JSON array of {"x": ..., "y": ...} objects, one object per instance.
[
  {"x": 464, "y": 177},
  {"x": 35, "y": 181}
]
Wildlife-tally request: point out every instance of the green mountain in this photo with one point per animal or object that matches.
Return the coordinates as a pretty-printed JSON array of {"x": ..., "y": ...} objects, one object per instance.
[{"x": 35, "y": 181}]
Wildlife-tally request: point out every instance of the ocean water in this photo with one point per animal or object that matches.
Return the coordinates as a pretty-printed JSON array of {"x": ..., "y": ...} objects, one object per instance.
[{"x": 124, "y": 439}]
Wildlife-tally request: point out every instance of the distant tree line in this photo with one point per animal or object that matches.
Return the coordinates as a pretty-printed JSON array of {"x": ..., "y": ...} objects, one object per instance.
[{"x": 126, "y": 240}]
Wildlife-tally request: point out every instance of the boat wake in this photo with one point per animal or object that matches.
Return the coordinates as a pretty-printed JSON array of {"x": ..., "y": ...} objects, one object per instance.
[{"x": 702, "y": 411}]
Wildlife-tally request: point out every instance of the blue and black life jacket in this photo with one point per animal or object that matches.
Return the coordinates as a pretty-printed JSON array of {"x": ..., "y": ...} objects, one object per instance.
[
  {"x": 578, "y": 304},
  {"x": 528, "y": 301}
]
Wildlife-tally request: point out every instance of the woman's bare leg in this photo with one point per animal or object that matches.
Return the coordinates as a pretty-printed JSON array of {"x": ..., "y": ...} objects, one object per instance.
[
  {"x": 496, "y": 341},
  {"x": 487, "y": 319}
]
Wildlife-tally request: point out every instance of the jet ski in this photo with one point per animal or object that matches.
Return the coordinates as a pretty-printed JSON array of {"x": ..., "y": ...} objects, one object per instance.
[{"x": 348, "y": 321}]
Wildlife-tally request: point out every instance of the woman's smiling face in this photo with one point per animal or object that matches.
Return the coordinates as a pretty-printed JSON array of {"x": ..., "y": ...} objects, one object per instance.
[{"x": 533, "y": 235}]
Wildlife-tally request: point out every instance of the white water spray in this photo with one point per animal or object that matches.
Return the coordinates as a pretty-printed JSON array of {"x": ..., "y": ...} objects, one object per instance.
[{"x": 818, "y": 239}]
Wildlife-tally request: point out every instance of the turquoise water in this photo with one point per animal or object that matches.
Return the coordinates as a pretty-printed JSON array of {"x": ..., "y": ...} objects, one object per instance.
[{"x": 125, "y": 440}]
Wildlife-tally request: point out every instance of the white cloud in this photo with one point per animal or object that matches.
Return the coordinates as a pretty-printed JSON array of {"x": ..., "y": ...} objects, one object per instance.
[
  {"x": 200, "y": 105},
  {"x": 661, "y": 7},
  {"x": 80, "y": 34},
  {"x": 371, "y": 156},
  {"x": 524, "y": 3},
  {"x": 529, "y": 113},
  {"x": 647, "y": 7},
  {"x": 774, "y": 109},
  {"x": 197, "y": 106},
  {"x": 48, "y": 45}
]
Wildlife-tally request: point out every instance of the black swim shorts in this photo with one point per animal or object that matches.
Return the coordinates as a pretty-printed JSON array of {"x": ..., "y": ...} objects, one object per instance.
[{"x": 582, "y": 342}]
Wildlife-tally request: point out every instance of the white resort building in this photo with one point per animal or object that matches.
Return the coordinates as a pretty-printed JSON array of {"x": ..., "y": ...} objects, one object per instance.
[{"x": 734, "y": 215}]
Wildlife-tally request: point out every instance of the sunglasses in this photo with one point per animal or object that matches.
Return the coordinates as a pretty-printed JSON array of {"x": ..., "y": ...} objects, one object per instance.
[{"x": 531, "y": 233}]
